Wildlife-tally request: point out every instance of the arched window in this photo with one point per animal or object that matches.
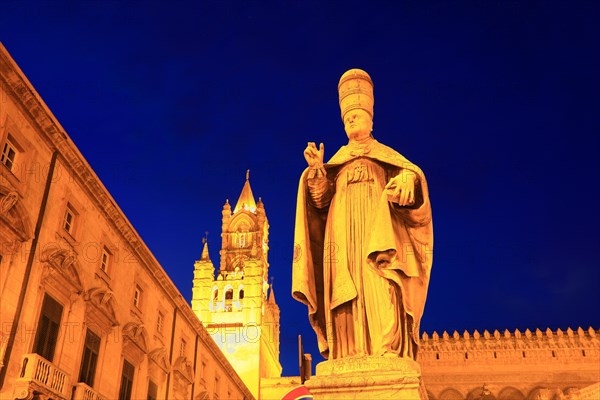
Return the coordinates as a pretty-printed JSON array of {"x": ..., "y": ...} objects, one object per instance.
[
  {"x": 214, "y": 305},
  {"x": 242, "y": 239},
  {"x": 242, "y": 235},
  {"x": 451, "y": 394},
  {"x": 510, "y": 393},
  {"x": 241, "y": 297},
  {"x": 228, "y": 299}
]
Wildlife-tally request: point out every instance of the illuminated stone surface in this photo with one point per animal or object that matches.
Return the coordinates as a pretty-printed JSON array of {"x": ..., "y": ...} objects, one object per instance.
[
  {"x": 366, "y": 377},
  {"x": 557, "y": 365},
  {"x": 516, "y": 364},
  {"x": 238, "y": 307},
  {"x": 363, "y": 250},
  {"x": 533, "y": 364},
  {"x": 118, "y": 298}
]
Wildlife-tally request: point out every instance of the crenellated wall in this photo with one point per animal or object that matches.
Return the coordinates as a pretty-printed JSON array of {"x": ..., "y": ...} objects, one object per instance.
[{"x": 510, "y": 365}]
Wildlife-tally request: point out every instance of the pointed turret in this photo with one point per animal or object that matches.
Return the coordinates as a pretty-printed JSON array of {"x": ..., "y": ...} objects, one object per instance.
[
  {"x": 271, "y": 299},
  {"x": 204, "y": 274},
  {"x": 246, "y": 200},
  {"x": 205, "y": 256}
]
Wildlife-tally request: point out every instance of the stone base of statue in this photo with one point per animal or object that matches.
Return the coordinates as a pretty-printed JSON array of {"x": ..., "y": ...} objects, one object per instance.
[{"x": 367, "y": 378}]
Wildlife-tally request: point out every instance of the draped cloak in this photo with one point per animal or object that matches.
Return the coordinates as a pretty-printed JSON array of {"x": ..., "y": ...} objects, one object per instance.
[{"x": 324, "y": 280}]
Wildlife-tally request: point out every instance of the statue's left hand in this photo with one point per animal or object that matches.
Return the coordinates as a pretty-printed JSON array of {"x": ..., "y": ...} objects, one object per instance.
[{"x": 402, "y": 187}]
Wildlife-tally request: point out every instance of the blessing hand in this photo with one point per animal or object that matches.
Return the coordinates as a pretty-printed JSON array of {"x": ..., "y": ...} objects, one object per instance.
[
  {"x": 314, "y": 156},
  {"x": 402, "y": 187}
]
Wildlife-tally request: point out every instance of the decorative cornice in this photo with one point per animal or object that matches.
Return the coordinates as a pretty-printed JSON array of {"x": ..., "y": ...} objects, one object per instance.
[
  {"x": 13, "y": 213},
  {"x": 103, "y": 299},
  {"x": 160, "y": 358},
  {"x": 184, "y": 367},
  {"x": 8, "y": 201}
]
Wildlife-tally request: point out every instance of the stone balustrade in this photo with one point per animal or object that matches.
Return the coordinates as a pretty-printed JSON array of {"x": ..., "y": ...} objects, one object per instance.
[
  {"x": 591, "y": 392},
  {"x": 84, "y": 392},
  {"x": 40, "y": 375}
]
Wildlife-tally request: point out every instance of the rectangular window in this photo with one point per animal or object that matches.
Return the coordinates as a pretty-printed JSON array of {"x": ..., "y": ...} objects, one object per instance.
[
  {"x": 152, "y": 391},
  {"x": 216, "y": 394},
  {"x": 89, "y": 359},
  {"x": 48, "y": 326},
  {"x": 9, "y": 153},
  {"x": 69, "y": 219},
  {"x": 137, "y": 296},
  {"x": 126, "y": 381},
  {"x": 182, "y": 348},
  {"x": 159, "y": 322},
  {"x": 203, "y": 371},
  {"x": 104, "y": 259}
]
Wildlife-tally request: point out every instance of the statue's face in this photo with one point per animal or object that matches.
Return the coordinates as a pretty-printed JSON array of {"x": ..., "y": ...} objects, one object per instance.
[{"x": 358, "y": 124}]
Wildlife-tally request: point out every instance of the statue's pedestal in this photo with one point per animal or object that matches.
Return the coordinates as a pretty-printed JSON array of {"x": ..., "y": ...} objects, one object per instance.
[{"x": 367, "y": 378}]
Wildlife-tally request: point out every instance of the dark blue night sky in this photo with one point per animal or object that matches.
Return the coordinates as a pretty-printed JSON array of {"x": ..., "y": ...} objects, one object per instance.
[{"x": 498, "y": 102}]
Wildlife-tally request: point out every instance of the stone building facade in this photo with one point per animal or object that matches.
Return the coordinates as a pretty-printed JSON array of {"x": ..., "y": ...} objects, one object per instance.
[
  {"x": 238, "y": 307},
  {"x": 87, "y": 312}
]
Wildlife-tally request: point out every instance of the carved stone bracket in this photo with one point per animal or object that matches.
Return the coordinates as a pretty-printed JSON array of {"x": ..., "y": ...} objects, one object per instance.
[{"x": 24, "y": 393}]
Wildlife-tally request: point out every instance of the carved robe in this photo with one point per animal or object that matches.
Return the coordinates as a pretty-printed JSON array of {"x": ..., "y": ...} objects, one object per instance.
[{"x": 343, "y": 219}]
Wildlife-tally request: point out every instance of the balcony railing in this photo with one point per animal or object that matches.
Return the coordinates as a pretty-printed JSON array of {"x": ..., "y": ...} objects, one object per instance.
[
  {"x": 84, "y": 392},
  {"x": 39, "y": 374}
]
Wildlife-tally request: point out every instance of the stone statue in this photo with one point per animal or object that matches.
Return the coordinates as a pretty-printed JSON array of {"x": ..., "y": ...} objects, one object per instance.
[{"x": 363, "y": 239}]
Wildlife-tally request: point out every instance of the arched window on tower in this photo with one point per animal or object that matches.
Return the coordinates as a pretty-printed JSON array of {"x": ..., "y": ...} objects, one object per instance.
[
  {"x": 215, "y": 299},
  {"x": 228, "y": 300},
  {"x": 242, "y": 239},
  {"x": 242, "y": 235},
  {"x": 241, "y": 297}
]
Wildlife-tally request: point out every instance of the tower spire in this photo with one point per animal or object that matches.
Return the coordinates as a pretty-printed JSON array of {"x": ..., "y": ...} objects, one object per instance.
[{"x": 246, "y": 200}]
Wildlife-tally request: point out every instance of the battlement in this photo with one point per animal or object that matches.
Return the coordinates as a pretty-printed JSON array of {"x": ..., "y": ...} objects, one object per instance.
[{"x": 567, "y": 346}]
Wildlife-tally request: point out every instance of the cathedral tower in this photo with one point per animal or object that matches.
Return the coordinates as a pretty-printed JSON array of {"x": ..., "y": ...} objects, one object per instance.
[{"x": 238, "y": 308}]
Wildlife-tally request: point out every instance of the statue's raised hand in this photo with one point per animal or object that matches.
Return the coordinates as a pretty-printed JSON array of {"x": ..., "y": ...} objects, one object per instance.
[
  {"x": 314, "y": 156},
  {"x": 402, "y": 188}
]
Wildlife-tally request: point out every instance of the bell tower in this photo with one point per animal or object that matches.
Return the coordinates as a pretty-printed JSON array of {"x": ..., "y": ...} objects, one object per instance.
[{"x": 238, "y": 306}]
